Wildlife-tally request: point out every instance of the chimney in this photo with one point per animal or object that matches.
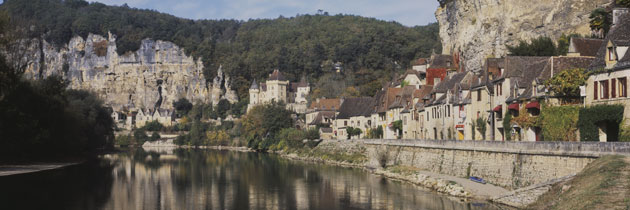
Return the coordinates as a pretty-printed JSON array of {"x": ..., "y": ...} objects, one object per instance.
[{"x": 617, "y": 12}]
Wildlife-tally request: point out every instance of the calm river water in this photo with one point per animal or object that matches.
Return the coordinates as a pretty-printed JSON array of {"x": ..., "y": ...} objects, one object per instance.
[{"x": 209, "y": 179}]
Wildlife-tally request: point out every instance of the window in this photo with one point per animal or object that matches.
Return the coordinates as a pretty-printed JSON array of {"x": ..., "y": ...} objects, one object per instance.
[
  {"x": 479, "y": 95},
  {"x": 611, "y": 54},
  {"x": 623, "y": 87},
  {"x": 595, "y": 93},
  {"x": 345, "y": 123},
  {"x": 448, "y": 110}
]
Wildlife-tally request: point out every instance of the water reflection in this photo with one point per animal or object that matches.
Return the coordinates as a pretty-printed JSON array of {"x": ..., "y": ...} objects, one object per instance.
[{"x": 208, "y": 179}]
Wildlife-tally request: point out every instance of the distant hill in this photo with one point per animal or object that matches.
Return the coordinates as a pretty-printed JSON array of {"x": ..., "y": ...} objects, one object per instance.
[{"x": 306, "y": 45}]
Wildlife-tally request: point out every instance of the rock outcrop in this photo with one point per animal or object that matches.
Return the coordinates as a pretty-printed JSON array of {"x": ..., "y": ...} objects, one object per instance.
[
  {"x": 481, "y": 28},
  {"x": 152, "y": 77}
]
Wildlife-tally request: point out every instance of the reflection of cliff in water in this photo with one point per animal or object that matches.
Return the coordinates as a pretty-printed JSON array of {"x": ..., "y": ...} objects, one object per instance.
[
  {"x": 85, "y": 186},
  {"x": 231, "y": 180}
]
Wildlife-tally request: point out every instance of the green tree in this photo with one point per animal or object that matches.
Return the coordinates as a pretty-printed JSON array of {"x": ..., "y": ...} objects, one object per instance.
[
  {"x": 223, "y": 107},
  {"x": 481, "y": 126},
  {"x": 567, "y": 83},
  {"x": 262, "y": 123},
  {"x": 541, "y": 46},
  {"x": 600, "y": 20},
  {"x": 182, "y": 106},
  {"x": 563, "y": 43},
  {"x": 623, "y": 3}
]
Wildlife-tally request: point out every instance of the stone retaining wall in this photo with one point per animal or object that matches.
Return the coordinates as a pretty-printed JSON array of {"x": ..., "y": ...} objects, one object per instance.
[{"x": 511, "y": 165}]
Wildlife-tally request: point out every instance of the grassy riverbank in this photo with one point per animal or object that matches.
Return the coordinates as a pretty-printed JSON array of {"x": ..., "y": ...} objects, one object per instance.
[{"x": 603, "y": 184}]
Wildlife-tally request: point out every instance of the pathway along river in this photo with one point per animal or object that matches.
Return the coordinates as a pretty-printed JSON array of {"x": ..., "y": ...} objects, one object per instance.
[{"x": 210, "y": 179}]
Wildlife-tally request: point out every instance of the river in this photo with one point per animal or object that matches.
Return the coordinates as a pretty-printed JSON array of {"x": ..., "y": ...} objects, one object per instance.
[{"x": 211, "y": 179}]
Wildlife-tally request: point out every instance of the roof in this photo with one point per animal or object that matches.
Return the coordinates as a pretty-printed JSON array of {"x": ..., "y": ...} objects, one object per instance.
[
  {"x": 385, "y": 98},
  {"x": 254, "y": 85},
  {"x": 564, "y": 63},
  {"x": 322, "y": 115},
  {"x": 302, "y": 82},
  {"x": 403, "y": 98},
  {"x": 585, "y": 46},
  {"x": 326, "y": 104},
  {"x": 423, "y": 91},
  {"x": 619, "y": 35},
  {"x": 276, "y": 75},
  {"x": 353, "y": 107},
  {"x": 441, "y": 61},
  {"x": 420, "y": 61},
  {"x": 326, "y": 130},
  {"x": 449, "y": 82},
  {"x": 523, "y": 66}
]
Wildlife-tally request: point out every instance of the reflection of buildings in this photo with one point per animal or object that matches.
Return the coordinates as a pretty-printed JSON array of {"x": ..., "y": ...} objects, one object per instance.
[{"x": 231, "y": 180}]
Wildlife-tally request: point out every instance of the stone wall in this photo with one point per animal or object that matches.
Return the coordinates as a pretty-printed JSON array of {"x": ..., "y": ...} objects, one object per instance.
[{"x": 511, "y": 165}]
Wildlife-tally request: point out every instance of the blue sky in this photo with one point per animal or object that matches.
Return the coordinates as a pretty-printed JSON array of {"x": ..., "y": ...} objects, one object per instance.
[{"x": 407, "y": 12}]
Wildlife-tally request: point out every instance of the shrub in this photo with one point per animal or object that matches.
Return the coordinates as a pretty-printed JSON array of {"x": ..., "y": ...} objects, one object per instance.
[
  {"x": 312, "y": 134},
  {"x": 153, "y": 126}
]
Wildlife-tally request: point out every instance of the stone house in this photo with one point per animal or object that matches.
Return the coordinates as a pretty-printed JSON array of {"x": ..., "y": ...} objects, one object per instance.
[
  {"x": 399, "y": 110},
  {"x": 380, "y": 115},
  {"x": 514, "y": 75},
  {"x": 355, "y": 113},
  {"x": 412, "y": 118},
  {"x": 439, "y": 108},
  {"x": 322, "y": 112},
  {"x": 608, "y": 83},
  {"x": 481, "y": 105},
  {"x": 277, "y": 88}
]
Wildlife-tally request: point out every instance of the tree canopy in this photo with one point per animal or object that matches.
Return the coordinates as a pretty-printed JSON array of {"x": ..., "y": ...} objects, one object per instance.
[
  {"x": 305, "y": 45},
  {"x": 541, "y": 46}
]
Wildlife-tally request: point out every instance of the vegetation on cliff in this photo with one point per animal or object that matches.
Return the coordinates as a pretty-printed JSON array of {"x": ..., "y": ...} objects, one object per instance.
[
  {"x": 305, "y": 45},
  {"x": 43, "y": 118}
]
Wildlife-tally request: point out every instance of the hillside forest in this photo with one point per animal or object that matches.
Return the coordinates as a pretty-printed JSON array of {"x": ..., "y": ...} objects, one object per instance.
[{"x": 369, "y": 51}]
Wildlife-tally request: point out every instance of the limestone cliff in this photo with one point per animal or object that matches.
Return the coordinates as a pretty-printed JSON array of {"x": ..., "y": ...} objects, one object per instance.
[
  {"x": 152, "y": 77},
  {"x": 481, "y": 28}
]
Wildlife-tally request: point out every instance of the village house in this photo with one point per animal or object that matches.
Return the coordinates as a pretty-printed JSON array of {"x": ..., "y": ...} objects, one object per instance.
[
  {"x": 608, "y": 83},
  {"x": 355, "y": 113},
  {"x": 322, "y": 112},
  {"x": 412, "y": 118},
  {"x": 480, "y": 113},
  {"x": 277, "y": 88},
  {"x": 384, "y": 99},
  {"x": 439, "y": 108}
]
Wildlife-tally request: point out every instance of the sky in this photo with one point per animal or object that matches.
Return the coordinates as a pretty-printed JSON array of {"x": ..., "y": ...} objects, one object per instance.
[{"x": 406, "y": 12}]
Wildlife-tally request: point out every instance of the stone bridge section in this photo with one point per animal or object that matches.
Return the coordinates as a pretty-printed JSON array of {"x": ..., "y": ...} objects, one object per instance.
[{"x": 511, "y": 165}]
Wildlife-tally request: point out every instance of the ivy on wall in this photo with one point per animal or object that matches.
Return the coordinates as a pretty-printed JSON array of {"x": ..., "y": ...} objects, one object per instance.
[
  {"x": 559, "y": 123},
  {"x": 591, "y": 117},
  {"x": 525, "y": 120},
  {"x": 507, "y": 127}
]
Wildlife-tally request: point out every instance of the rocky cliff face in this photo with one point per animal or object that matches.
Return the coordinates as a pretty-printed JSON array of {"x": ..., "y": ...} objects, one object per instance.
[
  {"x": 152, "y": 77},
  {"x": 481, "y": 28}
]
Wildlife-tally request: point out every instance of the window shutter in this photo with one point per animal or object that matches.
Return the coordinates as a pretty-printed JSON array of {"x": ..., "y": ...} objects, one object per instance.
[
  {"x": 595, "y": 90},
  {"x": 624, "y": 91},
  {"x": 613, "y": 88}
]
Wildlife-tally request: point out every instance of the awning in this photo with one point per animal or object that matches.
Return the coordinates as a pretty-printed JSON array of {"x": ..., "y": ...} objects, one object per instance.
[
  {"x": 497, "y": 109},
  {"x": 513, "y": 106},
  {"x": 533, "y": 104},
  {"x": 459, "y": 126}
]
